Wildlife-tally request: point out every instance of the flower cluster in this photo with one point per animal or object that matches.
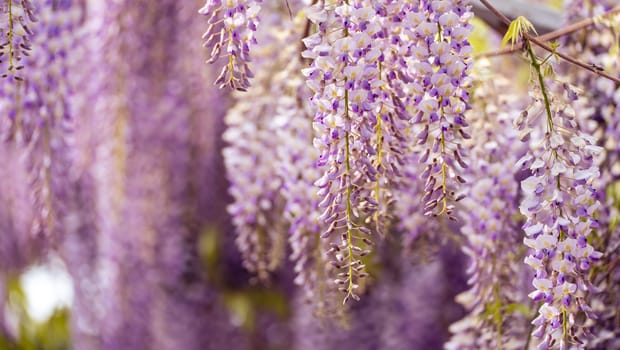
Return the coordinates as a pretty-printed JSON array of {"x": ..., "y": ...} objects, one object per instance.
[
  {"x": 344, "y": 77},
  {"x": 16, "y": 32},
  {"x": 495, "y": 299},
  {"x": 439, "y": 65},
  {"x": 600, "y": 48},
  {"x": 249, "y": 159},
  {"x": 36, "y": 97},
  {"x": 296, "y": 166},
  {"x": 254, "y": 185},
  {"x": 232, "y": 24},
  {"x": 365, "y": 68},
  {"x": 390, "y": 119},
  {"x": 560, "y": 204},
  {"x": 600, "y": 116},
  {"x": 47, "y": 117}
]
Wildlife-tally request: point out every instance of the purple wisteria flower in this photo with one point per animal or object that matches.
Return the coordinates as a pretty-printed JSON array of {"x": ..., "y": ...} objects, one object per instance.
[
  {"x": 496, "y": 300},
  {"x": 439, "y": 67},
  {"x": 16, "y": 32},
  {"x": 560, "y": 204},
  {"x": 251, "y": 159},
  {"x": 147, "y": 141},
  {"x": 47, "y": 120},
  {"x": 232, "y": 24},
  {"x": 346, "y": 79},
  {"x": 599, "y": 115},
  {"x": 298, "y": 170},
  {"x": 364, "y": 70}
]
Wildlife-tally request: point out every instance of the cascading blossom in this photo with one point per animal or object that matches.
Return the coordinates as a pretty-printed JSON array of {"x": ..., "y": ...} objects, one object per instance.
[
  {"x": 249, "y": 160},
  {"x": 16, "y": 31},
  {"x": 560, "y": 204},
  {"x": 35, "y": 94},
  {"x": 601, "y": 49},
  {"x": 17, "y": 19},
  {"x": 232, "y": 24},
  {"x": 344, "y": 77},
  {"x": 389, "y": 118},
  {"x": 48, "y": 120},
  {"x": 254, "y": 184},
  {"x": 435, "y": 67},
  {"x": 351, "y": 123},
  {"x": 496, "y": 299},
  {"x": 439, "y": 66},
  {"x": 600, "y": 114},
  {"x": 297, "y": 168},
  {"x": 361, "y": 86}
]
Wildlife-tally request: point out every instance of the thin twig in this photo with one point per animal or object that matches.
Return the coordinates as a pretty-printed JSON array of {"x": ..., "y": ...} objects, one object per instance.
[
  {"x": 527, "y": 37},
  {"x": 554, "y": 34},
  {"x": 577, "y": 25},
  {"x": 591, "y": 67},
  {"x": 288, "y": 7}
]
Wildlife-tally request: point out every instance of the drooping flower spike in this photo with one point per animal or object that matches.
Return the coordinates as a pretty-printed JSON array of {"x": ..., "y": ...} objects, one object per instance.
[
  {"x": 440, "y": 67},
  {"x": 230, "y": 35},
  {"x": 16, "y": 31},
  {"x": 344, "y": 79},
  {"x": 560, "y": 204},
  {"x": 497, "y": 297},
  {"x": 17, "y": 21},
  {"x": 599, "y": 114},
  {"x": 251, "y": 157}
]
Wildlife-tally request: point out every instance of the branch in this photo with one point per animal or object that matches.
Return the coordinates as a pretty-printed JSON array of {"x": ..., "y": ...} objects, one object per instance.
[
  {"x": 543, "y": 17},
  {"x": 527, "y": 37},
  {"x": 555, "y": 34}
]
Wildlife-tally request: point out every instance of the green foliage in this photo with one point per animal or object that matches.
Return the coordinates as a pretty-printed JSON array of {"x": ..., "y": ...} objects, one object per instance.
[{"x": 517, "y": 29}]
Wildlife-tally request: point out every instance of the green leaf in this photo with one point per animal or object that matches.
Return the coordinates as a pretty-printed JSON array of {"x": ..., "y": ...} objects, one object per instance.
[
  {"x": 516, "y": 30},
  {"x": 547, "y": 70}
]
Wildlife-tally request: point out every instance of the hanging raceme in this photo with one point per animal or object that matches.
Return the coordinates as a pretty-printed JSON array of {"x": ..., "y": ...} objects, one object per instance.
[
  {"x": 496, "y": 302},
  {"x": 357, "y": 137},
  {"x": 560, "y": 205},
  {"x": 16, "y": 33},
  {"x": 350, "y": 95},
  {"x": 440, "y": 71},
  {"x": 17, "y": 21},
  {"x": 297, "y": 167},
  {"x": 230, "y": 35},
  {"x": 251, "y": 156},
  {"x": 35, "y": 96},
  {"x": 599, "y": 115}
]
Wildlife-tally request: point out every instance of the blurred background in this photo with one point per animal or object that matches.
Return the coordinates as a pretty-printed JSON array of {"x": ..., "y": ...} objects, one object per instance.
[{"x": 147, "y": 258}]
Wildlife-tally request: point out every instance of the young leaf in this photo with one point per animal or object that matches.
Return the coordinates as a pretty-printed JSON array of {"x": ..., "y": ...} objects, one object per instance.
[{"x": 516, "y": 29}]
